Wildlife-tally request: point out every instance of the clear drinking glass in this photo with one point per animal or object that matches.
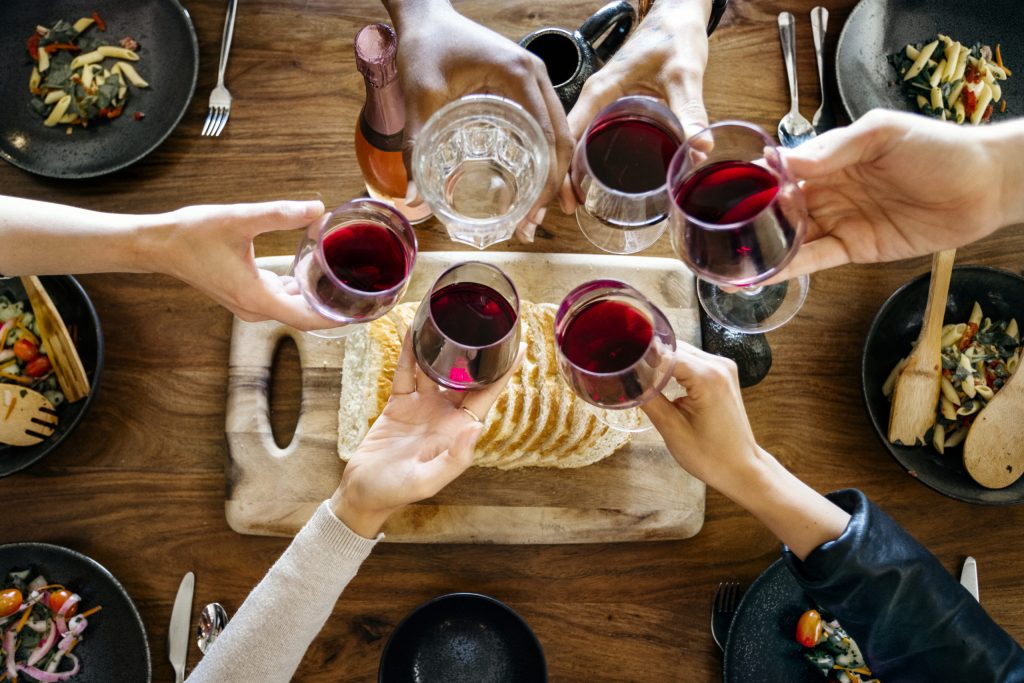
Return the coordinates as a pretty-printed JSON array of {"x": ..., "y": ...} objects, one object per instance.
[
  {"x": 480, "y": 162},
  {"x": 615, "y": 349},
  {"x": 738, "y": 217},
  {"x": 466, "y": 331},
  {"x": 353, "y": 264},
  {"x": 618, "y": 174}
]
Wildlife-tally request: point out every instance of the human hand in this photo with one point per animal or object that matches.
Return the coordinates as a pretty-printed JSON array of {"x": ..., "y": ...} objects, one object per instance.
[
  {"x": 421, "y": 442},
  {"x": 707, "y": 430},
  {"x": 442, "y": 56},
  {"x": 893, "y": 186},
  {"x": 665, "y": 57},
  {"x": 211, "y": 248}
]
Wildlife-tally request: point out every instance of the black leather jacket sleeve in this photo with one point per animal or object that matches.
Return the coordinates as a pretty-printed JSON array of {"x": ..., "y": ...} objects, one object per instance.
[{"x": 912, "y": 620}]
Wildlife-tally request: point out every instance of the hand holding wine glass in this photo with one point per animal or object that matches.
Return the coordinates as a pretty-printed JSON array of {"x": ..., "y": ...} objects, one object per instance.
[
  {"x": 897, "y": 185},
  {"x": 444, "y": 56}
]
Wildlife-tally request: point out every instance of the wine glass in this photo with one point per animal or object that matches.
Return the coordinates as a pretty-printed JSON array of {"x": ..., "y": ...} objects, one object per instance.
[
  {"x": 480, "y": 162},
  {"x": 615, "y": 349},
  {"x": 738, "y": 218},
  {"x": 353, "y": 264},
  {"x": 618, "y": 174},
  {"x": 466, "y": 332}
]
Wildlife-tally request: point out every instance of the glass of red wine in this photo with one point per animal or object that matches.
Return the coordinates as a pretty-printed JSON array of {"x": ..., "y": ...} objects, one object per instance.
[
  {"x": 618, "y": 174},
  {"x": 353, "y": 264},
  {"x": 738, "y": 218},
  {"x": 466, "y": 332},
  {"x": 615, "y": 349}
]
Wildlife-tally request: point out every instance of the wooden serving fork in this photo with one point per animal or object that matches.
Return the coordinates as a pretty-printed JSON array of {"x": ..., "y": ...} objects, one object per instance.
[
  {"x": 26, "y": 417},
  {"x": 66, "y": 363}
]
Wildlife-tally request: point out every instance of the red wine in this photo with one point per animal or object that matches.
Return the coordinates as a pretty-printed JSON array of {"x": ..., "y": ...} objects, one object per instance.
[
  {"x": 471, "y": 313},
  {"x": 607, "y": 336},
  {"x": 755, "y": 237},
  {"x": 631, "y": 154},
  {"x": 366, "y": 256}
]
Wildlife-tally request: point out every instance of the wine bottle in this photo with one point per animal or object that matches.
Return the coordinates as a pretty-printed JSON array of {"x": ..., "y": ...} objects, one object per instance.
[{"x": 379, "y": 131}]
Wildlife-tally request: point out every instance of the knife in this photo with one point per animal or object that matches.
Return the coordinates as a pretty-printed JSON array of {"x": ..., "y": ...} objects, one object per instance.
[
  {"x": 969, "y": 577},
  {"x": 177, "y": 632}
]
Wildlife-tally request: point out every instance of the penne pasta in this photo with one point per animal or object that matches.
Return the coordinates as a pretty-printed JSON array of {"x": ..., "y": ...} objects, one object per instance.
[
  {"x": 129, "y": 72},
  {"x": 44, "y": 61},
  {"x": 949, "y": 392},
  {"x": 33, "y": 80},
  {"x": 83, "y": 23},
  {"x": 58, "y": 111},
  {"x": 921, "y": 60},
  {"x": 939, "y": 438},
  {"x": 954, "y": 439},
  {"x": 87, "y": 58},
  {"x": 890, "y": 381},
  {"x": 1011, "y": 329},
  {"x": 118, "y": 53},
  {"x": 975, "y": 318}
]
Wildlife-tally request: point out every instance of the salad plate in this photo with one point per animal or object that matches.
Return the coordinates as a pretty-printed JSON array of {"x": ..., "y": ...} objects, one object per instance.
[
  {"x": 80, "y": 316},
  {"x": 169, "y": 61},
  {"x": 114, "y": 645},
  {"x": 761, "y": 645},
  {"x": 878, "y": 28},
  {"x": 894, "y": 329}
]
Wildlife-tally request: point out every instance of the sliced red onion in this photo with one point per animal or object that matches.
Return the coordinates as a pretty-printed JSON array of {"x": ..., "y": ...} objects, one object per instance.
[
  {"x": 62, "y": 626},
  {"x": 37, "y": 583},
  {"x": 12, "y": 671},
  {"x": 46, "y": 676},
  {"x": 77, "y": 624},
  {"x": 67, "y": 641},
  {"x": 44, "y": 646}
]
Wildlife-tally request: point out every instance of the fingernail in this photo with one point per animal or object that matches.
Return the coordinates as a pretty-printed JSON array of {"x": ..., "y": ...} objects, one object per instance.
[
  {"x": 528, "y": 232},
  {"x": 538, "y": 217},
  {"x": 410, "y": 192},
  {"x": 562, "y": 204}
]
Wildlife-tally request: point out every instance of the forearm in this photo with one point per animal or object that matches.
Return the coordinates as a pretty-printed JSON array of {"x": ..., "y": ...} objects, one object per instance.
[
  {"x": 1007, "y": 141},
  {"x": 267, "y": 638},
  {"x": 40, "y": 238},
  {"x": 798, "y": 515}
]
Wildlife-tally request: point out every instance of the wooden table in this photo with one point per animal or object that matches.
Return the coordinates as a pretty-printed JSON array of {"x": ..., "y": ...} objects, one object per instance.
[{"x": 140, "y": 485}]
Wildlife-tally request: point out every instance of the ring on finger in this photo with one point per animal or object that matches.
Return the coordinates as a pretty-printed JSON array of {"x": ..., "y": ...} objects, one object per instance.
[{"x": 476, "y": 418}]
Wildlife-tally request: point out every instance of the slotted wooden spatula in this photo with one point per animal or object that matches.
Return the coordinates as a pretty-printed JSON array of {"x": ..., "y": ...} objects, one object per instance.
[
  {"x": 26, "y": 417},
  {"x": 67, "y": 365},
  {"x": 917, "y": 388},
  {"x": 994, "y": 450}
]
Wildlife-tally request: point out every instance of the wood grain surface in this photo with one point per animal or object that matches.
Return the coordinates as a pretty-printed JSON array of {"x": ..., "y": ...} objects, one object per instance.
[
  {"x": 140, "y": 487},
  {"x": 638, "y": 493}
]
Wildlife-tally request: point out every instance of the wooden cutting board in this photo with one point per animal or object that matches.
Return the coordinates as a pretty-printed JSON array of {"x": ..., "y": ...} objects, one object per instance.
[{"x": 639, "y": 493}]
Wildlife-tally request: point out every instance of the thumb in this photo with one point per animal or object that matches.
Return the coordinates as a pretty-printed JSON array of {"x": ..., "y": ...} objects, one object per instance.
[
  {"x": 281, "y": 215},
  {"x": 836, "y": 149}
]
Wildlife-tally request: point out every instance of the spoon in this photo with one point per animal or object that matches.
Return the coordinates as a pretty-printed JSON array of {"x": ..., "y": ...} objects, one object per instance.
[
  {"x": 794, "y": 129},
  {"x": 823, "y": 119},
  {"x": 994, "y": 449},
  {"x": 212, "y": 621}
]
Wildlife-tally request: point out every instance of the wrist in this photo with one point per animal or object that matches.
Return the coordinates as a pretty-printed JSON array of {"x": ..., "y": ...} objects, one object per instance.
[
  {"x": 366, "y": 523},
  {"x": 410, "y": 13}
]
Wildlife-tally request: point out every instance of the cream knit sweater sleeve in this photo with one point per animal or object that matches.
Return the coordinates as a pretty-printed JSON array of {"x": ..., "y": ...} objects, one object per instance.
[{"x": 267, "y": 638}]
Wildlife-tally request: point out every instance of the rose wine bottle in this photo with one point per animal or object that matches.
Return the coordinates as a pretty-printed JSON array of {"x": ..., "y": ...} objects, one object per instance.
[{"x": 379, "y": 131}]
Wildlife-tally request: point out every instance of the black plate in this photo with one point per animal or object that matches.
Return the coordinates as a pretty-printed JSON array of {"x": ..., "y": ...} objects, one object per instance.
[
  {"x": 78, "y": 314},
  {"x": 169, "y": 61},
  {"x": 896, "y": 326},
  {"x": 114, "y": 646},
  {"x": 877, "y": 28},
  {"x": 462, "y": 638},
  {"x": 761, "y": 645}
]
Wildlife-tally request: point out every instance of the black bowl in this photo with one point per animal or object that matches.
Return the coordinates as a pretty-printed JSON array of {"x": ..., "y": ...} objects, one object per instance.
[
  {"x": 462, "y": 638},
  {"x": 896, "y": 326},
  {"x": 761, "y": 645},
  {"x": 78, "y": 314},
  {"x": 115, "y": 646},
  {"x": 169, "y": 60},
  {"x": 877, "y": 28}
]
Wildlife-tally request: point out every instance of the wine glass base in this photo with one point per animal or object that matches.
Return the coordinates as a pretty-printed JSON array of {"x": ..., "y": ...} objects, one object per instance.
[
  {"x": 759, "y": 308},
  {"x": 633, "y": 420},
  {"x": 333, "y": 332},
  {"x": 618, "y": 239}
]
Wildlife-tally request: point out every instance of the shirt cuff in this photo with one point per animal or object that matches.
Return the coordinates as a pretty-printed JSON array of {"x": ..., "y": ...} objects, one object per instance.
[{"x": 336, "y": 537}]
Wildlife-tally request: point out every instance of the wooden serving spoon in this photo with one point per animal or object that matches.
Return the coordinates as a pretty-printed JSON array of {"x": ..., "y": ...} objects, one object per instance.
[
  {"x": 26, "y": 417},
  {"x": 994, "y": 449},
  {"x": 917, "y": 388},
  {"x": 67, "y": 365}
]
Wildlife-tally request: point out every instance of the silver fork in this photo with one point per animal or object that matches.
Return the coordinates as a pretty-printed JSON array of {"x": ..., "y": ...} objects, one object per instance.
[
  {"x": 220, "y": 98},
  {"x": 727, "y": 597}
]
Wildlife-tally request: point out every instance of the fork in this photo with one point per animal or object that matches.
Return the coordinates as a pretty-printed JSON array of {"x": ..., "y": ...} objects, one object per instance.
[
  {"x": 220, "y": 98},
  {"x": 727, "y": 597},
  {"x": 26, "y": 416}
]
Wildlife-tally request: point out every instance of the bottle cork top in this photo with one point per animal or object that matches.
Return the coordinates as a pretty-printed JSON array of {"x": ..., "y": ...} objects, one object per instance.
[{"x": 376, "y": 54}]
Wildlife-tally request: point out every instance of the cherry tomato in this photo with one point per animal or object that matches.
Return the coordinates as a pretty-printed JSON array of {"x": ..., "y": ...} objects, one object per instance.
[
  {"x": 38, "y": 367},
  {"x": 57, "y": 600},
  {"x": 10, "y": 601},
  {"x": 808, "y": 629},
  {"x": 25, "y": 350}
]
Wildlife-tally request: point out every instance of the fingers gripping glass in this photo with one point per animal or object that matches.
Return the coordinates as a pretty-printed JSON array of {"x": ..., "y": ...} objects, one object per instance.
[
  {"x": 618, "y": 174},
  {"x": 466, "y": 331},
  {"x": 353, "y": 264},
  {"x": 738, "y": 218},
  {"x": 615, "y": 349}
]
